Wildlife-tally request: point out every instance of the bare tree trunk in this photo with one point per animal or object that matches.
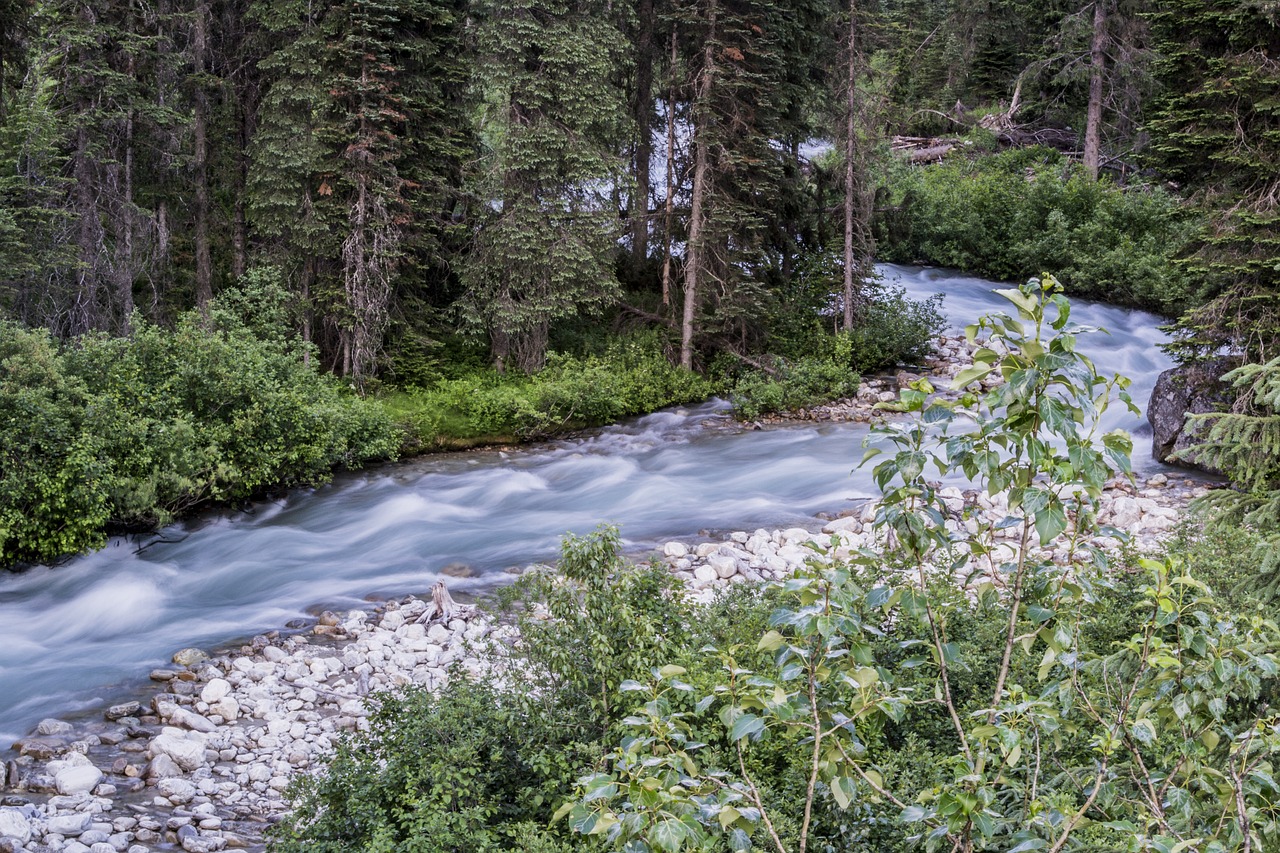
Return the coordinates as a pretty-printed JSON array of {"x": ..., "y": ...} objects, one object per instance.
[
  {"x": 671, "y": 175},
  {"x": 694, "y": 252},
  {"x": 200, "y": 162},
  {"x": 850, "y": 161},
  {"x": 83, "y": 314},
  {"x": 642, "y": 112},
  {"x": 308, "y": 278},
  {"x": 1093, "y": 122},
  {"x": 125, "y": 263}
]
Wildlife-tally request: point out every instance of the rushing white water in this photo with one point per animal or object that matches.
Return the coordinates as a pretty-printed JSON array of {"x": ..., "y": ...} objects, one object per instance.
[{"x": 88, "y": 631}]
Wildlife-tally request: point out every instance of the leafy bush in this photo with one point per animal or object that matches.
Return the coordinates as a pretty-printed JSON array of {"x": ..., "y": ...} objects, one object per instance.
[
  {"x": 891, "y": 330},
  {"x": 632, "y": 376},
  {"x": 1015, "y": 214},
  {"x": 793, "y": 385},
  {"x": 131, "y": 432},
  {"x": 1046, "y": 706},
  {"x": 482, "y": 766}
]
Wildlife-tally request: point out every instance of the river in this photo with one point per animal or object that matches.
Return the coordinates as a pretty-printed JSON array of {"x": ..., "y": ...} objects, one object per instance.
[{"x": 88, "y": 631}]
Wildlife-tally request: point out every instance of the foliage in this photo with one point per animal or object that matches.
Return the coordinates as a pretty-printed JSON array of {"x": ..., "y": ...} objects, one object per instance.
[
  {"x": 480, "y": 766},
  {"x": 552, "y": 105},
  {"x": 1156, "y": 742},
  {"x": 134, "y": 431},
  {"x": 1244, "y": 444},
  {"x": 632, "y": 376},
  {"x": 793, "y": 385},
  {"x": 1012, "y": 215},
  {"x": 819, "y": 366},
  {"x": 1216, "y": 130}
]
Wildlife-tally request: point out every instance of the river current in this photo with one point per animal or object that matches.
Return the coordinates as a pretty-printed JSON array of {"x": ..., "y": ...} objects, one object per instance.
[{"x": 88, "y": 631}]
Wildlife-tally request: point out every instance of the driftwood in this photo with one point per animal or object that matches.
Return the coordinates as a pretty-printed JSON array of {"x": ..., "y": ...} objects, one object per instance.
[
  {"x": 922, "y": 149},
  {"x": 1061, "y": 138},
  {"x": 443, "y": 608}
]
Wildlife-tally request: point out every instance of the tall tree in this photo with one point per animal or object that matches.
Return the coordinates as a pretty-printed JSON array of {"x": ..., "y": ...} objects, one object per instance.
[
  {"x": 1216, "y": 130},
  {"x": 553, "y": 117}
]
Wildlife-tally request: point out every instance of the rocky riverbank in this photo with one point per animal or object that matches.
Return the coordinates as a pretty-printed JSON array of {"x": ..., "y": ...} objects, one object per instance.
[{"x": 202, "y": 763}]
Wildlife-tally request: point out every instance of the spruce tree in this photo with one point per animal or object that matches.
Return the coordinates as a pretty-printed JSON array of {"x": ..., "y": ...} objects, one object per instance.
[
  {"x": 552, "y": 117},
  {"x": 1216, "y": 131}
]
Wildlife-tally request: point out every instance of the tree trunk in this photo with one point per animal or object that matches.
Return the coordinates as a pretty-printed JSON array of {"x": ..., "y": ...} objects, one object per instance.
[
  {"x": 851, "y": 209},
  {"x": 671, "y": 176},
  {"x": 694, "y": 252},
  {"x": 1093, "y": 122},
  {"x": 125, "y": 263},
  {"x": 642, "y": 112},
  {"x": 200, "y": 163}
]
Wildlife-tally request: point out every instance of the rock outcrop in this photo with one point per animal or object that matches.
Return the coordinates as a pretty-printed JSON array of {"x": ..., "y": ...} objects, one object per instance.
[{"x": 1181, "y": 391}]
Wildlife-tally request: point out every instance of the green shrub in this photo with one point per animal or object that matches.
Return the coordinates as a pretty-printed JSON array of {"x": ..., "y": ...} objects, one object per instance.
[
  {"x": 891, "y": 330},
  {"x": 483, "y": 766},
  {"x": 132, "y": 432},
  {"x": 632, "y": 376},
  {"x": 1013, "y": 215}
]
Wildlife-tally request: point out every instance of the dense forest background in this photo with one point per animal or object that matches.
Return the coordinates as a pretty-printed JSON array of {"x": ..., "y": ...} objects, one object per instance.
[
  {"x": 502, "y": 219},
  {"x": 406, "y": 170}
]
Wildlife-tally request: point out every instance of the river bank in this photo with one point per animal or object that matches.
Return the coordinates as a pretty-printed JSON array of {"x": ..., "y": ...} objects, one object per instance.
[{"x": 202, "y": 762}]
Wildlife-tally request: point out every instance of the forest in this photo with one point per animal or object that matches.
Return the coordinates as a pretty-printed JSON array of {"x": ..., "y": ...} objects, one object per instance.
[
  {"x": 245, "y": 244},
  {"x": 460, "y": 210}
]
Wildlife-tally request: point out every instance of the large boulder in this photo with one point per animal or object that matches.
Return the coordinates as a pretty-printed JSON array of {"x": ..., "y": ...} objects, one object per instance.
[{"x": 1192, "y": 389}]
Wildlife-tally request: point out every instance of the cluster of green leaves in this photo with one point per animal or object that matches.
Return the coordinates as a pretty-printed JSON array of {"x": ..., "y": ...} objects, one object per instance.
[
  {"x": 128, "y": 432},
  {"x": 1011, "y": 215},
  {"x": 481, "y": 766},
  {"x": 814, "y": 365},
  {"x": 1063, "y": 724},
  {"x": 630, "y": 376},
  {"x": 1244, "y": 444}
]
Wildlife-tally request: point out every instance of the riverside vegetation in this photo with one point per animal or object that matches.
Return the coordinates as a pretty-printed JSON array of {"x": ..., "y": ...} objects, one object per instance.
[{"x": 921, "y": 692}]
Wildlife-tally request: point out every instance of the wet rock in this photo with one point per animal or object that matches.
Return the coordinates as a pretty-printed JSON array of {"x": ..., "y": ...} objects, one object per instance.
[
  {"x": 1180, "y": 391},
  {"x": 187, "y": 657},
  {"x": 13, "y": 824},
  {"x": 41, "y": 749},
  {"x": 216, "y": 689},
  {"x": 675, "y": 550},
  {"x": 51, "y": 726},
  {"x": 77, "y": 780},
  {"x": 177, "y": 790},
  {"x": 70, "y": 825},
  {"x": 125, "y": 709},
  {"x": 186, "y": 749}
]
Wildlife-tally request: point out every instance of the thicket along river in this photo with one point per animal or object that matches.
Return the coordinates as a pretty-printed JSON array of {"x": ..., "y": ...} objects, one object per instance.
[{"x": 88, "y": 631}]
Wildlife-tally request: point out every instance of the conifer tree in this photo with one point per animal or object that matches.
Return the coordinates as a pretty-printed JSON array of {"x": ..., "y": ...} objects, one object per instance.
[
  {"x": 1216, "y": 130},
  {"x": 552, "y": 118}
]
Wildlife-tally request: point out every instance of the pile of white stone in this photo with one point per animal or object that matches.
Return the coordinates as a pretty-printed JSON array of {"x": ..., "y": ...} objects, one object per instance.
[
  {"x": 1146, "y": 514},
  {"x": 205, "y": 767}
]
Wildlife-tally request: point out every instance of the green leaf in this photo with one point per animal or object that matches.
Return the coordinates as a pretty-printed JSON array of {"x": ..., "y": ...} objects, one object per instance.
[
  {"x": 866, "y": 676},
  {"x": 842, "y": 788},
  {"x": 746, "y": 725},
  {"x": 669, "y": 835},
  {"x": 671, "y": 670},
  {"x": 770, "y": 642},
  {"x": 969, "y": 375},
  {"x": 1143, "y": 731}
]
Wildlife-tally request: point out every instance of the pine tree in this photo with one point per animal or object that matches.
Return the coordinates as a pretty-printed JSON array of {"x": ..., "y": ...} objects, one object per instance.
[
  {"x": 1216, "y": 130},
  {"x": 552, "y": 118}
]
